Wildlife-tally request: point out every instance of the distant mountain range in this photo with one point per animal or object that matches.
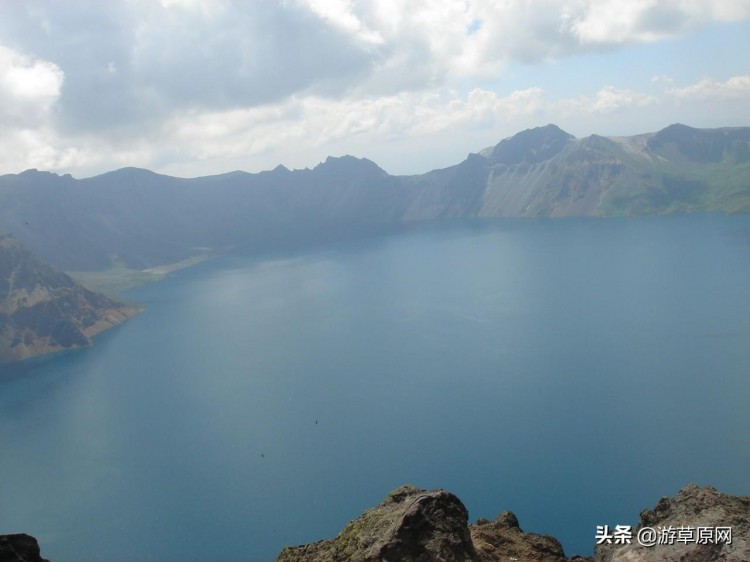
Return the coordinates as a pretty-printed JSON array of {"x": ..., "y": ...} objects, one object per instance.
[
  {"x": 142, "y": 219},
  {"x": 133, "y": 219}
]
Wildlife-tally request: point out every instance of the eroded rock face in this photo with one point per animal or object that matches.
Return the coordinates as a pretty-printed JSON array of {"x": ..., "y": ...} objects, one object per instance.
[
  {"x": 692, "y": 508},
  {"x": 411, "y": 525},
  {"x": 503, "y": 540},
  {"x": 20, "y": 548},
  {"x": 414, "y": 525},
  {"x": 428, "y": 526}
]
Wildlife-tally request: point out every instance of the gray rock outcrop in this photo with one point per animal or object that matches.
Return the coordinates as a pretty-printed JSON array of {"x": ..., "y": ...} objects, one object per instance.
[
  {"x": 411, "y": 525},
  {"x": 503, "y": 539},
  {"x": 677, "y": 522},
  {"x": 414, "y": 525}
]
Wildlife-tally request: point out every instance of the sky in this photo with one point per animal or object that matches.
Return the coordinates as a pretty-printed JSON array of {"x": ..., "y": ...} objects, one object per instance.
[{"x": 200, "y": 87}]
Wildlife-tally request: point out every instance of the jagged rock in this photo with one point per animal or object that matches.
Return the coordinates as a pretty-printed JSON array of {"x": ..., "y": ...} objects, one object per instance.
[
  {"x": 414, "y": 525},
  {"x": 411, "y": 525},
  {"x": 503, "y": 539},
  {"x": 20, "y": 548},
  {"x": 429, "y": 526},
  {"x": 693, "y": 507}
]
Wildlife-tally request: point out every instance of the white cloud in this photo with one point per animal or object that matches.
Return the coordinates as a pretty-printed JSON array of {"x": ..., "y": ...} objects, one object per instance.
[
  {"x": 41, "y": 148},
  {"x": 614, "y": 22},
  {"x": 149, "y": 61},
  {"x": 662, "y": 78},
  {"x": 162, "y": 83},
  {"x": 610, "y": 99},
  {"x": 611, "y": 21},
  {"x": 340, "y": 14},
  {"x": 607, "y": 100},
  {"x": 29, "y": 88},
  {"x": 735, "y": 87},
  {"x": 728, "y": 10},
  {"x": 316, "y": 121},
  {"x": 29, "y": 92}
]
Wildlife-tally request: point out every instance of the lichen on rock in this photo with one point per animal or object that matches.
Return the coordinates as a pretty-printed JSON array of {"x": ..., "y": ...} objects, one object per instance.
[
  {"x": 503, "y": 539},
  {"x": 414, "y": 525},
  {"x": 411, "y": 525}
]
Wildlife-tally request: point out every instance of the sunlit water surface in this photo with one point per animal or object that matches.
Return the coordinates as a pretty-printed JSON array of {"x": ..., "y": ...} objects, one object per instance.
[{"x": 572, "y": 371}]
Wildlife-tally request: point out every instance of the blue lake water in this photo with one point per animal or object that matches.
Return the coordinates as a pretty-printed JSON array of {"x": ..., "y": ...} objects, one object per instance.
[{"x": 572, "y": 371}]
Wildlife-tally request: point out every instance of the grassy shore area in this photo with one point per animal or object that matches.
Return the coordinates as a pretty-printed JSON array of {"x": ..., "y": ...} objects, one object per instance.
[{"x": 119, "y": 277}]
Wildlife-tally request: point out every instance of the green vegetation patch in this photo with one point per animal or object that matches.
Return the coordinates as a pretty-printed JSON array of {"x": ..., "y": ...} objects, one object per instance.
[{"x": 119, "y": 277}]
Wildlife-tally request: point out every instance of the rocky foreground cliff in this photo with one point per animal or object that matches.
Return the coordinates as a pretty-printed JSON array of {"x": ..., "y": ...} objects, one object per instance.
[
  {"x": 43, "y": 310},
  {"x": 414, "y": 525},
  {"x": 678, "y": 523},
  {"x": 20, "y": 548}
]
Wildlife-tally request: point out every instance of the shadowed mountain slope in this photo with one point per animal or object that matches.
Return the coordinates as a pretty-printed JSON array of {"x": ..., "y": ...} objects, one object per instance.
[
  {"x": 43, "y": 310},
  {"x": 143, "y": 219}
]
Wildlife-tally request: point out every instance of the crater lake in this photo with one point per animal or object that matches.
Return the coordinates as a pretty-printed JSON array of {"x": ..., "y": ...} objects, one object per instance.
[{"x": 572, "y": 371}]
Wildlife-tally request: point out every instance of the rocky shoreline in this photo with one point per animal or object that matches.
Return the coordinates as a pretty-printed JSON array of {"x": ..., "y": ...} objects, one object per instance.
[{"x": 414, "y": 525}]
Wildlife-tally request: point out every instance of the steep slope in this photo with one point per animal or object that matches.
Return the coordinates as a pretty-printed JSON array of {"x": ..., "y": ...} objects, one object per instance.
[
  {"x": 679, "y": 169},
  {"x": 43, "y": 310},
  {"x": 682, "y": 169}
]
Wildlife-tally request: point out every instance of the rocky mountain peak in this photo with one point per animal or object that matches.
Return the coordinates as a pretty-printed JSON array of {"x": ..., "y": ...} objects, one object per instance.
[
  {"x": 702, "y": 145},
  {"x": 531, "y": 146},
  {"x": 348, "y": 162}
]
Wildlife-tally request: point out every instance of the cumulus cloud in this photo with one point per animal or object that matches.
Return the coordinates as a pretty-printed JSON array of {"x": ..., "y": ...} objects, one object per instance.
[
  {"x": 735, "y": 87},
  {"x": 316, "y": 120},
  {"x": 340, "y": 14},
  {"x": 614, "y": 22},
  {"x": 127, "y": 62},
  {"x": 29, "y": 88},
  {"x": 607, "y": 100},
  {"x": 29, "y": 92},
  {"x": 148, "y": 83},
  {"x": 662, "y": 79},
  {"x": 179, "y": 55}
]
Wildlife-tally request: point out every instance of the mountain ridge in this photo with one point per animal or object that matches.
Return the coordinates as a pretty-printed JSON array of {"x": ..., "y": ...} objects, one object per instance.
[{"x": 146, "y": 219}]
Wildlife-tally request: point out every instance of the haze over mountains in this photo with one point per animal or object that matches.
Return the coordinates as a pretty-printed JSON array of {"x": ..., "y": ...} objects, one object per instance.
[{"x": 145, "y": 219}]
